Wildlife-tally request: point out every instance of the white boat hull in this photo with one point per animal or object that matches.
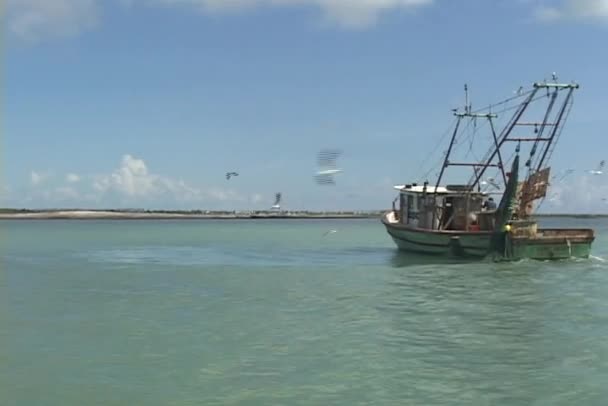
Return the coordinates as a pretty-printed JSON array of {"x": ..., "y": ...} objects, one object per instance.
[{"x": 441, "y": 243}]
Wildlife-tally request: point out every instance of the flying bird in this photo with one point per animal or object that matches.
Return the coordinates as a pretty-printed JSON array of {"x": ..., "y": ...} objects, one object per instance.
[
  {"x": 329, "y": 232},
  {"x": 600, "y": 168},
  {"x": 519, "y": 91},
  {"x": 277, "y": 201},
  {"x": 491, "y": 182},
  {"x": 326, "y": 162},
  {"x": 231, "y": 174}
]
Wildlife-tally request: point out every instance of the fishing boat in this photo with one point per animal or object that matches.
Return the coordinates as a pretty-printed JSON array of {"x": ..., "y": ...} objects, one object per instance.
[{"x": 460, "y": 218}]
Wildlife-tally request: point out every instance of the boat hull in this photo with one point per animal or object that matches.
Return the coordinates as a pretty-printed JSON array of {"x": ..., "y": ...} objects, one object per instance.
[
  {"x": 553, "y": 244},
  {"x": 544, "y": 244},
  {"x": 438, "y": 243}
]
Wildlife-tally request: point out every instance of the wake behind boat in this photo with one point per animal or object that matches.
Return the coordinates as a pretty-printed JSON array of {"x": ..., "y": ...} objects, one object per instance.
[{"x": 462, "y": 219}]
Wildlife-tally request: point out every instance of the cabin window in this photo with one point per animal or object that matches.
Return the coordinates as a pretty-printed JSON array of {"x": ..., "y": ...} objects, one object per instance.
[
  {"x": 412, "y": 210},
  {"x": 411, "y": 204},
  {"x": 447, "y": 213}
]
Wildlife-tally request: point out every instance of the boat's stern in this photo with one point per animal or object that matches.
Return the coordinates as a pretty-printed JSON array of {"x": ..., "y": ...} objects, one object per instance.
[{"x": 548, "y": 244}]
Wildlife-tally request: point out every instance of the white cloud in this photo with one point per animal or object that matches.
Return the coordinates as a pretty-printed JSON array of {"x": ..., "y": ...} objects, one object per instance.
[
  {"x": 72, "y": 178},
  {"x": 37, "y": 178},
  {"x": 131, "y": 184},
  {"x": 573, "y": 9},
  {"x": 347, "y": 13},
  {"x": 134, "y": 182},
  {"x": 38, "y": 19},
  {"x": 132, "y": 179}
]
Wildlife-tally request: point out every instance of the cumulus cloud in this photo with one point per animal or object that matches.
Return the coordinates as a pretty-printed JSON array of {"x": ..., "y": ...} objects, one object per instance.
[
  {"x": 573, "y": 9},
  {"x": 37, "y": 19},
  {"x": 130, "y": 184},
  {"x": 37, "y": 178},
  {"x": 134, "y": 182},
  {"x": 348, "y": 13},
  {"x": 72, "y": 178}
]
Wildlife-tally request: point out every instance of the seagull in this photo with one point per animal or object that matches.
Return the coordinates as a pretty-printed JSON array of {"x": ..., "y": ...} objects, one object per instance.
[
  {"x": 491, "y": 182},
  {"x": 231, "y": 174},
  {"x": 329, "y": 232},
  {"x": 599, "y": 169},
  {"x": 326, "y": 162},
  {"x": 277, "y": 200},
  {"x": 519, "y": 91}
]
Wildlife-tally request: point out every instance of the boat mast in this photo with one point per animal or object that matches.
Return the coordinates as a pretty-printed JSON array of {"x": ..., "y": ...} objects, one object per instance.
[
  {"x": 475, "y": 165},
  {"x": 556, "y": 125},
  {"x": 446, "y": 160},
  {"x": 504, "y": 137},
  {"x": 468, "y": 114},
  {"x": 505, "y": 134},
  {"x": 479, "y": 168}
]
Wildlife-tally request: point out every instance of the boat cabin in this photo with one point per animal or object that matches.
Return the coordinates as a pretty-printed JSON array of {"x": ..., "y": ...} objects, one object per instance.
[{"x": 450, "y": 208}]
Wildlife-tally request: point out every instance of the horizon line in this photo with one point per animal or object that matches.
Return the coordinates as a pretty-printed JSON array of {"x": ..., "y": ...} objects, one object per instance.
[{"x": 9, "y": 210}]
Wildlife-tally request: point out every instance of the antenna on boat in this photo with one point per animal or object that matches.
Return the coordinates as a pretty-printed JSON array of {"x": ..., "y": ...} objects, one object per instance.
[{"x": 467, "y": 106}]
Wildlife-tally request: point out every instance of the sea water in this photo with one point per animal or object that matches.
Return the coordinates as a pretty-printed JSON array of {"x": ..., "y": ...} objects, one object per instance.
[{"x": 280, "y": 312}]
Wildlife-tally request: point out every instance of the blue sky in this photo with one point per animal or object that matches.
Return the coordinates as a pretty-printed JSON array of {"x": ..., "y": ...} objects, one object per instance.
[{"x": 147, "y": 103}]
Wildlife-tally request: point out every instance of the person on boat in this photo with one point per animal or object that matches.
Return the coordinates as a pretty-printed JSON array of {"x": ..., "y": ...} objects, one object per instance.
[{"x": 489, "y": 204}]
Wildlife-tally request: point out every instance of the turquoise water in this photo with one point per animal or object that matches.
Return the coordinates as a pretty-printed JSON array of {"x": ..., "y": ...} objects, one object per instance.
[{"x": 274, "y": 313}]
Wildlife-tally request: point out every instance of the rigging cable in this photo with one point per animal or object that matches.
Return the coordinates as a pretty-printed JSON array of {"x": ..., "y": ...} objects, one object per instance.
[
  {"x": 429, "y": 155},
  {"x": 489, "y": 107}
]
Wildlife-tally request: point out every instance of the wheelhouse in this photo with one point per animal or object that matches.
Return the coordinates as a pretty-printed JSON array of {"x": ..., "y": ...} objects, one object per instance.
[{"x": 449, "y": 208}]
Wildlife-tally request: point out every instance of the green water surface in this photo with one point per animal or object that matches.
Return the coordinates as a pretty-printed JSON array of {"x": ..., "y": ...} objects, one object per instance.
[{"x": 272, "y": 312}]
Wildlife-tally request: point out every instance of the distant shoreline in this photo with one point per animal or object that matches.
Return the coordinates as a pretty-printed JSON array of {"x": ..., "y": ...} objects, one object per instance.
[
  {"x": 81, "y": 214},
  {"x": 16, "y": 214}
]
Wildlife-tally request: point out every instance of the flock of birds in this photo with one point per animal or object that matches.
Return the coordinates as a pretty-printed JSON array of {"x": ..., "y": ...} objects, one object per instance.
[
  {"x": 599, "y": 170},
  {"x": 555, "y": 179},
  {"x": 326, "y": 171}
]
